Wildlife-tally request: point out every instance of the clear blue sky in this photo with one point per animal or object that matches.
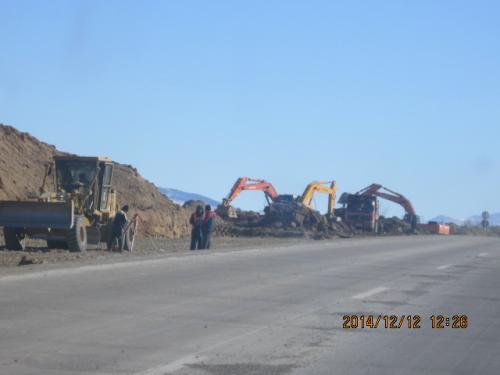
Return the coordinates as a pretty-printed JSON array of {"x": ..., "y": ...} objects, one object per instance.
[{"x": 197, "y": 93}]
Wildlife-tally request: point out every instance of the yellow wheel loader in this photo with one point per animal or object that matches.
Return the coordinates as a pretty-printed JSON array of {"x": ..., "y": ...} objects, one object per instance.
[{"x": 77, "y": 212}]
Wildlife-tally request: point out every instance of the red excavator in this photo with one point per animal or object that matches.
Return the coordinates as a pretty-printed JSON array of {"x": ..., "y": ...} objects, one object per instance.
[
  {"x": 247, "y": 183},
  {"x": 362, "y": 209}
]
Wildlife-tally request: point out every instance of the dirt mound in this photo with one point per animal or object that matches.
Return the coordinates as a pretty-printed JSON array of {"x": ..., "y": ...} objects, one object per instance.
[
  {"x": 22, "y": 163},
  {"x": 160, "y": 215},
  {"x": 284, "y": 221},
  {"x": 393, "y": 225},
  {"x": 22, "y": 167}
]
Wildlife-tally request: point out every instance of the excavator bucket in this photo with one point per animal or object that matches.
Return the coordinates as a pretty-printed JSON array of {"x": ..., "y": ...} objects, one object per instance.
[
  {"x": 56, "y": 215},
  {"x": 226, "y": 211}
]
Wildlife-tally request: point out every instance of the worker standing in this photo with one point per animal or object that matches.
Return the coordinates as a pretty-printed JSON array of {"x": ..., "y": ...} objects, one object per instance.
[
  {"x": 120, "y": 223},
  {"x": 208, "y": 226},
  {"x": 196, "y": 222}
]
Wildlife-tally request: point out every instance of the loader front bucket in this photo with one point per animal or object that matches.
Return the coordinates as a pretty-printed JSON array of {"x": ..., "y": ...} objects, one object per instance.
[{"x": 56, "y": 215}]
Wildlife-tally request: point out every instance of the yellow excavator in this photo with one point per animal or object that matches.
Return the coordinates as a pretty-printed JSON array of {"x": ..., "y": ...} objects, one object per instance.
[{"x": 329, "y": 187}]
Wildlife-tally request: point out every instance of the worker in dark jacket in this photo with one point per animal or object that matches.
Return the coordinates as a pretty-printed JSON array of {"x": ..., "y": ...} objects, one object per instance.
[
  {"x": 120, "y": 223},
  {"x": 208, "y": 226},
  {"x": 196, "y": 222}
]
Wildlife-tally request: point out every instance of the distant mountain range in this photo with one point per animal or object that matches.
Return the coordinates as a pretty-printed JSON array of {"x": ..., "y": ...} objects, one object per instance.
[
  {"x": 179, "y": 197},
  {"x": 446, "y": 219},
  {"x": 494, "y": 218},
  {"x": 475, "y": 219}
]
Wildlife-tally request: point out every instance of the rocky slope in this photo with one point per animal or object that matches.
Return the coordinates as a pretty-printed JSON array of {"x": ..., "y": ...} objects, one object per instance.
[{"x": 22, "y": 165}]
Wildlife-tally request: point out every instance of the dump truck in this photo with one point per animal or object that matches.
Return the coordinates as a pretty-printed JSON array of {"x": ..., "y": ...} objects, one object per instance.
[
  {"x": 361, "y": 210},
  {"x": 76, "y": 211}
]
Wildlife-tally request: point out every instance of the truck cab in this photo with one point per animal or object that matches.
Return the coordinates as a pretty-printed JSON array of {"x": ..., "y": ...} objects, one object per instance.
[{"x": 361, "y": 212}]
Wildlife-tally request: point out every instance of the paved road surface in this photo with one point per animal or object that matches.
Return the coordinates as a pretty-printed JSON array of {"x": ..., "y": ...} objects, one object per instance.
[{"x": 264, "y": 311}]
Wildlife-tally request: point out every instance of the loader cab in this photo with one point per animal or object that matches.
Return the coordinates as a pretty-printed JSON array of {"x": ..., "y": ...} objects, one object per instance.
[
  {"x": 75, "y": 175},
  {"x": 105, "y": 185},
  {"x": 89, "y": 177}
]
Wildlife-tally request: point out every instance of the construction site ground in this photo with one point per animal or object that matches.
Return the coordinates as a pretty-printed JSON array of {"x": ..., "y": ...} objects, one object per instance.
[
  {"x": 38, "y": 257},
  {"x": 164, "y": 225}
]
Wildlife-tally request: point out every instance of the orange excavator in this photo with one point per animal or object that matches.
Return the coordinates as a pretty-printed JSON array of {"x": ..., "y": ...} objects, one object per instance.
[
  {"x": 362, "y": 209},
  {"x": 390, "y": 195},
  {"x": 411, "y": 217},
  {"x": 248, "y": 183}
]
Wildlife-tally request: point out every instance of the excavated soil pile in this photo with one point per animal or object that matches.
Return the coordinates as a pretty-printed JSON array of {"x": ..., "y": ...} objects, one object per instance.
[
  {"x": 22, "y": 163},
  {"x": 298, "y": 221},
  {"x": 393, "y": 225},
  {"x": 160, "y": 215},
  {"x": 22, "y": 167}
]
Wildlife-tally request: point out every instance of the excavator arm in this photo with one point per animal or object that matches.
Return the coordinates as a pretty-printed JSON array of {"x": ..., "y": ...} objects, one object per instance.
[
  {"x": 241, "y": 184},
  {"x": 319, "y": 187},
  {"x": 247, "y": 183},
  {"x": 390, "y": 195},
  {"x": 380, "y": 191}
]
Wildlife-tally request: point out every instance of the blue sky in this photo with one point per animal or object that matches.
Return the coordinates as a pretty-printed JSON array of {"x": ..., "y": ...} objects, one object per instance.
[{"x": 197, "y": 93}]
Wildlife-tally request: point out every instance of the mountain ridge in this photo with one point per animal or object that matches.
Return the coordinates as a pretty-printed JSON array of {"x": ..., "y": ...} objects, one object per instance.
[
  {"x": 473, "y": 219},
  {"x": 181, "y": 197}
]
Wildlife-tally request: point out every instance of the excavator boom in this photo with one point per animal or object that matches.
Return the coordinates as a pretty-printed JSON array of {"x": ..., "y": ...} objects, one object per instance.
[
  {"x": 247, "y": 183},
  {"x": 379, "y": 191},
  {"x": 319, "y": 187},
  {"x": 390, "y": 195}
]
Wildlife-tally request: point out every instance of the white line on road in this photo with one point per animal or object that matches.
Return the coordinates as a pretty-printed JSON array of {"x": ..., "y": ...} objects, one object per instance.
[
  {"x": 444, "y": 266},
  {"x": 370, "y": 292},
  {"x": 482, "y": 255},
  {"x": 173, "y": 366}
]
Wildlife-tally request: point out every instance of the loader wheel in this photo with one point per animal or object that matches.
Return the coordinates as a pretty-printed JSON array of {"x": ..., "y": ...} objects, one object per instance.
[
  {"x": 15, "y": 239},
  {"x": 57, "y": 244},
  {"x": 77, "y": 236}
]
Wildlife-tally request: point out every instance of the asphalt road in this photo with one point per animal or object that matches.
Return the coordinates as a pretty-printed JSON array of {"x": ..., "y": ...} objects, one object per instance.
[{"x": 264, "y": 311}]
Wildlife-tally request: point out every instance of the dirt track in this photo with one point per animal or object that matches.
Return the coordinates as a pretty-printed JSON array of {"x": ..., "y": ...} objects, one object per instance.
[
  {"x": 41, "y": 257},
  {"x": 37, "y": 256}
]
